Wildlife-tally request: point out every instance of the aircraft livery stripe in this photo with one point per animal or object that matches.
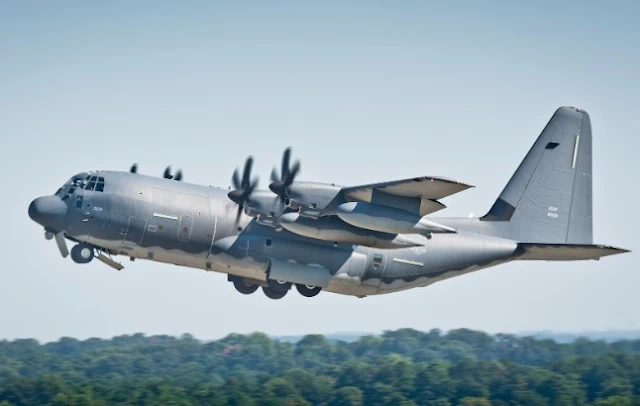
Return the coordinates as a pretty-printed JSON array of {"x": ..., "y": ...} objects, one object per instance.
[
  {"x": 165, "y": 216},
  {"x": 406, "y": 261}
]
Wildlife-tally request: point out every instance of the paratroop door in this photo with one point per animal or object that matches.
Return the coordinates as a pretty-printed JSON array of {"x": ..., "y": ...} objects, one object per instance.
[{"x": 135, "y": 231}]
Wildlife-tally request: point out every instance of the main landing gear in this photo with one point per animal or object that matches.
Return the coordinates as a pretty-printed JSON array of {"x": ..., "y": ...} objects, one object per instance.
[
  {"x": 274, "y": 289},
  {"x": 243, "y": 287},
  {"x": 308, "y": 291}
]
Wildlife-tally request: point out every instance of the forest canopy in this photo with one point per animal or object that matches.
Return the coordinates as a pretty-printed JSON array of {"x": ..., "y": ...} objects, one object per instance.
[{"x": 402, "y": 367}]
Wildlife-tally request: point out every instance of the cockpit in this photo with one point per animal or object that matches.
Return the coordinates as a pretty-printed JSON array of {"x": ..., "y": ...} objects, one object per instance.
[{"x": 84, "y": 181}]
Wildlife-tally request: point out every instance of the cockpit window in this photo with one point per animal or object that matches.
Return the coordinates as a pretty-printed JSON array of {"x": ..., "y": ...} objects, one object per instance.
[
  {"x": 81, "y": 181},
  {"x": 95, "y": 183},
  {"x": 100, "y": 184},
  {"x": 92, "y": 183}
]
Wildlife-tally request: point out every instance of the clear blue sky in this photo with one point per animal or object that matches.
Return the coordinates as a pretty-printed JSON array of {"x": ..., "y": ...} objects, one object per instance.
[{"x": 363, "y": 92}]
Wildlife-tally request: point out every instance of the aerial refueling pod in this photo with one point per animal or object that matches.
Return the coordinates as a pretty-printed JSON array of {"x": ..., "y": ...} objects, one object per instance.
[
  {"x": 335, "y": 230},
  {"x": 388, "y": 219},
  {"x": 298, "y": 273}
]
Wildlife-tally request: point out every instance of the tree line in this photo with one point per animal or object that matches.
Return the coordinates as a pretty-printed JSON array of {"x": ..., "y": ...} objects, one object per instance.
[{"x": 402, "y": 367}]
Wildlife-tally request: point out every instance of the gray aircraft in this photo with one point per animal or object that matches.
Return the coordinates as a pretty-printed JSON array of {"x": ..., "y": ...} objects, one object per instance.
[{"x": 356, "y": 240}]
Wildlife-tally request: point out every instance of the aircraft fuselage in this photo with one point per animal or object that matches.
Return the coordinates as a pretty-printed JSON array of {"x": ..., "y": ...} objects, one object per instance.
[{"x": 194, "y": 226}]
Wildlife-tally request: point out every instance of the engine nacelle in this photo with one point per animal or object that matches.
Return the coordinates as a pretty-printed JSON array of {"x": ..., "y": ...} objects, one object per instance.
[{"x": 313, "y": 198}]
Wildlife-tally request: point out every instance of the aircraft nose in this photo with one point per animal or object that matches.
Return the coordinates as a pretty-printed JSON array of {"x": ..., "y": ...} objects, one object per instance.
[{"x": 47, "y": 210}]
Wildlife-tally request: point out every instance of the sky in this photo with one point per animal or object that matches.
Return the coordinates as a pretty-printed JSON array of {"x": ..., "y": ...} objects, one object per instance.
[{"x": 363, "y": 92}]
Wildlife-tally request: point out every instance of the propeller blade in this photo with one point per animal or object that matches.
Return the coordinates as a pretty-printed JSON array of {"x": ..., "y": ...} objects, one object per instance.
[
  {"x": 238, "y": 214},
  {"x": 134, "y": 168},
  {"x": 286, "y": 157},
  {"x": 294, "y": 172},
  {"x": 274, "y": 175},
  {"x": 62, "y": 244},
  {"x": 178, "y": 176},
  {"x": 253, "y": 185},
  {"x": 167, "y": 173},
  {"x": 246, "y": 175},
  {"x": 235, "y": 179}
]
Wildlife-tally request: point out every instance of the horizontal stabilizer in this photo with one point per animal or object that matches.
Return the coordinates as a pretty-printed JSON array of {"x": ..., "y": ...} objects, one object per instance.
[{"x": 564, "y": 252}]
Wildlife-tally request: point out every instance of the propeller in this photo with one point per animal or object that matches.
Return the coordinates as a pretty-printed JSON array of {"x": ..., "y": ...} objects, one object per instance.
[
  {"x": 134, "y": 168},
  {"x": 167, "y": 174},
  {"x": 243, "y": 187},
  {"x": 281, "y": 185}
]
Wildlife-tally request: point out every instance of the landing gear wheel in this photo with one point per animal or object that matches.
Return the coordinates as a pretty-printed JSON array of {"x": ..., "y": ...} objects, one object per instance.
[
  {"x": 278, "y": 286},
  {"x": 273, "y": 295},
  {"x": 82, "y": 253},
  {"x": 244, "y": 288},
  {"x": 308, "y": 291}
]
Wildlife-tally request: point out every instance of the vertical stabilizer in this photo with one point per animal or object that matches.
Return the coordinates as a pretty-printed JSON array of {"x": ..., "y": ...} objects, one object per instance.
[{"x": 548, "y": 198}]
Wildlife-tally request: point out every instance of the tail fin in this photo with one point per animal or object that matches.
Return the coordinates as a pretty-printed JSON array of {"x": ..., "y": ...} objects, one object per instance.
[{"x": 548, "y": 198}]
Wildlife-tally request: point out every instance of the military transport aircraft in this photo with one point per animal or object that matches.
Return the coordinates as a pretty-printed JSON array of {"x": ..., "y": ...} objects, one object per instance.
[{"x": 355, "y": 240}]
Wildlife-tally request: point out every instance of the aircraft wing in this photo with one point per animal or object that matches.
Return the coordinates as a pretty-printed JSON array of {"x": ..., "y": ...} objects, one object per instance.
[{"x": 421, "y": 194}]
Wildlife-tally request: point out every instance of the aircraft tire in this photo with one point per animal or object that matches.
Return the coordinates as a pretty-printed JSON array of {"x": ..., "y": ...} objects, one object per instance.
[
  {"x": 82, "y": 253},
  {"x": 244, "y": 288},
  {"x": 308, "y": 291},
  {"x": 278, "y": 286},
  {"x": 273, "y": 295}
]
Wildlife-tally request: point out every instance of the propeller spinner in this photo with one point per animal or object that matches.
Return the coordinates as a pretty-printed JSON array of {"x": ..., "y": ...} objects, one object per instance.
[{"x": 281, "y": 185}]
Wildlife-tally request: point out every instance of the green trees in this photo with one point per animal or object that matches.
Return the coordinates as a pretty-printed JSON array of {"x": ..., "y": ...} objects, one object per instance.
[{"x": 403, "y": 367}]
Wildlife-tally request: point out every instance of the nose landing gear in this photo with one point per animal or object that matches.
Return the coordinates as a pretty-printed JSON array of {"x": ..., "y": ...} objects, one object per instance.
[{"x": 82, "y": 253}]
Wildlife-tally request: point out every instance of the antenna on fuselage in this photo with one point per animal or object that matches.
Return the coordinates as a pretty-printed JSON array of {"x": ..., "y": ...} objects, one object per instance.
[{"x": 134, "y": 168}]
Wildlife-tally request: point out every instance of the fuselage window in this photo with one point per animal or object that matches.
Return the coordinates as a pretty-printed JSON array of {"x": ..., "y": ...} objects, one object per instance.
[{"x": 79, "y": 202}]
